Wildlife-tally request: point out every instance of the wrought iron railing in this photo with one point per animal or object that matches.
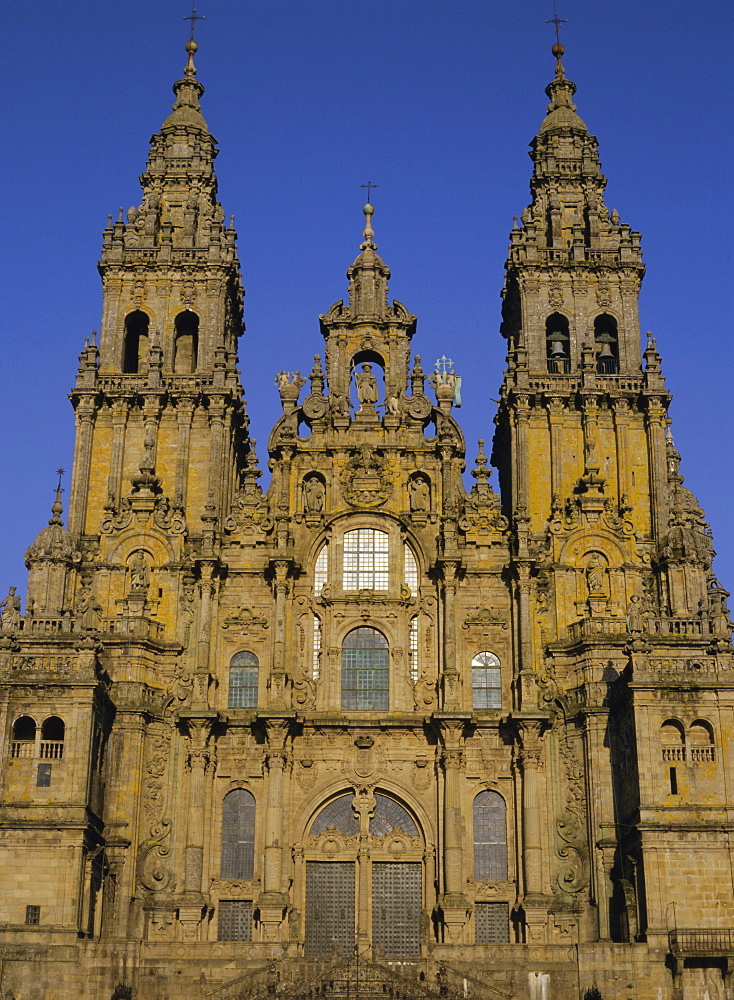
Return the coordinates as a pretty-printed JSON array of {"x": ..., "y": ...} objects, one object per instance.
[{"x": 704, "y": 941}]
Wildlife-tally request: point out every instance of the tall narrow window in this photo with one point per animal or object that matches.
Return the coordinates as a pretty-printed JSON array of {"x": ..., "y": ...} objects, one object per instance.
[
  {"x": 557, "y": 344},
  {"x": 366, "y": 559},
  {"x": 316, "y": 670},
  {"x": 365, "y": 671},
  {"x": 238, "y": 835},
  {"x": 243, "y": 679},
  {"x": 486, "y": 681},
  {"x": 186, "y": 343},
  {"x": 490, "y": 837},
  {"x": 413, "y": 649},
  {"x": 411, "y": 570},
  {"x": 321, "y": 571},
  {"x": 607, "y": 343},
  {"x": 135, "y": 349}
]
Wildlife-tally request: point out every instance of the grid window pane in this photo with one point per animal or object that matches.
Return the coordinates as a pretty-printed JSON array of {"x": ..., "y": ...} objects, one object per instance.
[
  {"x": 316, "y": 671},
  {"x": 365, "y": 670},
  {"x": 33, "y": 915},
  {"x": 491, "y": 923},
  {"x": 486, "y": 681},
  {"x": 235, "y": 920},
  {"x": 366, "y": 559},
  {"x": 243, "y": 679},
  {"x": 321, "y": 570},
  {"x": 411, "y": 570},
  {"x": 238, "y": 835},
  {"x": 490, "y": 837},
  {"x": 413, "y": 648}
]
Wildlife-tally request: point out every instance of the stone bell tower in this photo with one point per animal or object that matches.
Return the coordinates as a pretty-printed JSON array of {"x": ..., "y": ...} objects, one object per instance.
[
  {"x": 161, "y": 423},
  {"x": 616, "y": 603}
]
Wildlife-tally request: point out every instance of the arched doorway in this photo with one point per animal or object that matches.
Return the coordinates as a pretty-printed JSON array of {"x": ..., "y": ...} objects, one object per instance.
[{"x": 364, "y": 878}]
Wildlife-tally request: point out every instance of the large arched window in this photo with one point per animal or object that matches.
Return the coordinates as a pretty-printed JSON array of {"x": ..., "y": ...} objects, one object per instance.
[
  {"x": 238, "y": 835},
  {"x": 243, "y": 680},
  {"x": 338, "y": 814},
  {"x": 186, "y": 343},
  {"x": 486, "y": 681},
  {"x": 365, "y": 671},
  {"x": 366, "y": 557},
  {"x": 135, "y": 351},
  {"x": 490, "y": 837}
]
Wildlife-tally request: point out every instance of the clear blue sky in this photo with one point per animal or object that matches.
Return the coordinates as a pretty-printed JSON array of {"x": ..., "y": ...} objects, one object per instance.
[{"x": 435, "y": 102}]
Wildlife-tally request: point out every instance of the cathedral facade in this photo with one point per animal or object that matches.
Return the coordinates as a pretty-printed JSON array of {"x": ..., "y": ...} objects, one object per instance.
[{"x": 367, "y": 731}]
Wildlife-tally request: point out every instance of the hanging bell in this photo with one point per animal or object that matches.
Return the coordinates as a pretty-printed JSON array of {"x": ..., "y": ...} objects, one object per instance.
[{"x": 606, "y": 351}]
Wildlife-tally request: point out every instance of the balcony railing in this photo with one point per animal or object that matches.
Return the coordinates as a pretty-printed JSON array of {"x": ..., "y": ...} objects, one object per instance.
[
  {"x": 51, "y": 749},
  {"x": 701, "y": 942},
  {"x": 45, "y": 749}
]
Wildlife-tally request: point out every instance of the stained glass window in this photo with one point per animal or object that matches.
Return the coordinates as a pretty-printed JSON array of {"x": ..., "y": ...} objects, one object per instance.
[
  {"x": 366, "y": 559},
  {"x": 486, "y": 681},
  {"x": 365, "y": 670},
  {"x": 243, "y": 677},
  {"x": 238, "y": 834},
  {"x": 490, "y": 837}
]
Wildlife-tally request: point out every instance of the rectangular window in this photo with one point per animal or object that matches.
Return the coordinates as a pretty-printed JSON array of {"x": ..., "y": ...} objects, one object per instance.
[
  {"x": 316, "y": 673},
  {"x": 43, "y": 778},
  {"x": 413, "y": 649},
  {"x": 235, "y": 920},
  {"x": 366, "y": 553},
  {"x": 491, "y": 923},
  {"x": 486, "y": 687},
  {"x": 33, "y": 915}
]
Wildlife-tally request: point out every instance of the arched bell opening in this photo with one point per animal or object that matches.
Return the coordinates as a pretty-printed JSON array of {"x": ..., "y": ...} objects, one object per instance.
[
  {"x": 135, "y": 343},
  {"x": 186, "y": 343},
  {"x": 607, "y": 344},
  {"x": 557, "y": 344}
]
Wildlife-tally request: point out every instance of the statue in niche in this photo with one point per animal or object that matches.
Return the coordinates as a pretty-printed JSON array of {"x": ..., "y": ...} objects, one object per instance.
[
  {"x": 635, "y": 614},
  {"x": 596, "y": 573},
  {"x": 366, "y": 386},
  {"x": 139, "y": 572},
  {"x": 419, "y": 494},
  {"x": 313, "y": 495},
  {"x": 10, "y": 611},
  {"x": 89, "y": 612}
]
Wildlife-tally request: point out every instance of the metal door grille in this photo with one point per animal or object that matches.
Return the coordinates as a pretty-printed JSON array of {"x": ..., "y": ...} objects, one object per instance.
[
  {"x": 329, "y": 908},
  {"x": 235, "y": 920},
  {"x": 396, "y": 908},
  {"x": 491, "y": 923}
]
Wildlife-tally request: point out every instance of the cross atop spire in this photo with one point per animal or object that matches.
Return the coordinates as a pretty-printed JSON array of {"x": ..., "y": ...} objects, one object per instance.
[
  {"x": 193, "y": 17},
  {"x": 369, "y": 185},
  {"x": 558, "y": 21}
]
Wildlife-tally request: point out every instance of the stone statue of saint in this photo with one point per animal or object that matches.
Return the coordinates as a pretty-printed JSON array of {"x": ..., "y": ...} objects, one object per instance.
[
  {"x": 595, "y": 574},
  {"x": 635, "y": 619},
  {"x": 139, "y": 573},
  {"x": 10, "y": 611},
  {"x": 419, "y": 495},
  {"x": 313, "y": 495},
  {"x": 366, "y": 385}
]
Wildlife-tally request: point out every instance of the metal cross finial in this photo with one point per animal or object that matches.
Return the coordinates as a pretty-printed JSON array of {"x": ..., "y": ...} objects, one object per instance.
[
  {"x": 444, "y": 364},
  {"x": 193, "y": 17},
  {"x": 558, "y": 21},
  {"x": 369, "y": 185},
  {"x": 59, "y": 473}
]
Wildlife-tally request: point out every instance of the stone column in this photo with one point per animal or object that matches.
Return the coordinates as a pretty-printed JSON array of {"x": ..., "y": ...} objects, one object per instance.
[
  {"x": 184, "y": 414},
  {"x": 451, "y": 675},
  {"x": 520, "y": 428},
  {"x": 364, "y": 803},
  {"x": 119, "y": 424},
  {"x": 528, "y": 692},
  {"x": 555, "y": 420},
  {"x": 621, "y": 426},
  {"x": 206, "y": 595},
  {"x": 216, "y": 425},
  {"x": 529, "y": 758},
  {"x": 200, "y": 756},
  {"x": 85, "y": 413},
  {"x": 277, "y": 675},
  {"x": 655, "y": 427},
  {"x": 453, "y": 901},
  {"x": 273, "y": 901}
]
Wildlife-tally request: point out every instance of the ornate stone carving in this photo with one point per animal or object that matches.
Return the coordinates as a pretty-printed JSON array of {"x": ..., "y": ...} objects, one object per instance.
[{"x": 363, "y": 480}]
